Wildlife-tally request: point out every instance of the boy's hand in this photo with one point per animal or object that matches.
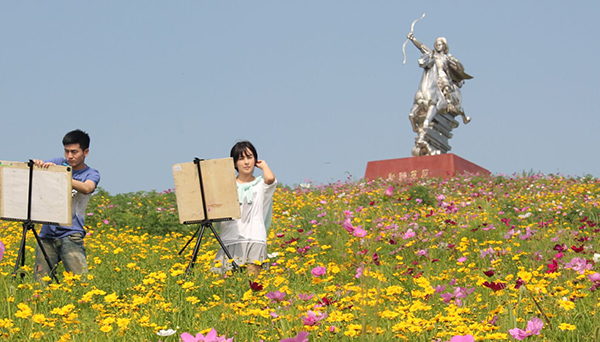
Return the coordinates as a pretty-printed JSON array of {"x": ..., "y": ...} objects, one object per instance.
[{"x": 41, "y": 163}]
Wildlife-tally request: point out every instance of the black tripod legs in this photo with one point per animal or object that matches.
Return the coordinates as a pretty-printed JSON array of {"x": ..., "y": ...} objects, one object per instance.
[
  {"x": 202, "y": 229},
  {"x": 21, "y": 255}
]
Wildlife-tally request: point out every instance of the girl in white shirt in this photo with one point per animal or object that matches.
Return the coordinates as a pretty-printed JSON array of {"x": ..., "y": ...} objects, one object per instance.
[{"x": 246, "y": 238}]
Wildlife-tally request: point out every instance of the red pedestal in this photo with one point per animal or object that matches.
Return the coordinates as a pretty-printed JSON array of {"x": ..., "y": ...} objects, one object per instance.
[{"x": 443, "y": 165}]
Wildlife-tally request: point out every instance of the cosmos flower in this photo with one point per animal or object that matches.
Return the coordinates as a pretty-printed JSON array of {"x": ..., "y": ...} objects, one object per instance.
[
  {"x": 276, "y": 296},
  {"x": 313, "y": 318},
  {"x": 301, "y": 337},
  {"x": 318, "y": 271},
  {"x": 533, "y": 328},
  {"x": 210, "y": 337}
]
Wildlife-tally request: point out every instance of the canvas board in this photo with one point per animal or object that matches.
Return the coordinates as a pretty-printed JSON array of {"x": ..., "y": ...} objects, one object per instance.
[
  {"x": 220, "y": 190},
  {"x": 50, "y": 198}
]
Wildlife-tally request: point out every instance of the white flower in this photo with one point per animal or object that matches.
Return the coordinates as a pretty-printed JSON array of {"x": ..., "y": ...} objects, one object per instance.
[
  {"x": 524, "y": 216},
  {"x": 596, "y": 257},
  {"x": 166, "y": 332},
  {"x": 305, "y": 185},
  {"x": 273, "y": 255}
]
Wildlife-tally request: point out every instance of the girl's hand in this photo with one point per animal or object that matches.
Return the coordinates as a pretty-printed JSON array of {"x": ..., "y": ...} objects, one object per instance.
[
  {"x": 261, "y": 164},
  {"x": 268, "y": 175}
]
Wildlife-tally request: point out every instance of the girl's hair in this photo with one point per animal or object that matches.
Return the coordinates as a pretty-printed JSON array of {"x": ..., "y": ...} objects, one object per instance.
[{"x": 239, "y": 149}]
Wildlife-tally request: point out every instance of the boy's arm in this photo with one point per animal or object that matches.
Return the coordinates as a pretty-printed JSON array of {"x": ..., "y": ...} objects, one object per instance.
[{"x": 86, "y": 187}]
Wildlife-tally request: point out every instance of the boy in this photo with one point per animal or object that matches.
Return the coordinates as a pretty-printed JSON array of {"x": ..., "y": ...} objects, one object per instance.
[{"x": 66, "y": 243}]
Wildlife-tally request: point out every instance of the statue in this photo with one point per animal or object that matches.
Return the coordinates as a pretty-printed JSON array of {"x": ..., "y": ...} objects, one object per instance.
[{"x": 438, "y": 100}]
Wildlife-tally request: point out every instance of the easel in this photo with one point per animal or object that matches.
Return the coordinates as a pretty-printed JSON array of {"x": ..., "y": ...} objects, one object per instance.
[
  {"x": 28, "y": 224},
  {"x": 205, "y": 223}
]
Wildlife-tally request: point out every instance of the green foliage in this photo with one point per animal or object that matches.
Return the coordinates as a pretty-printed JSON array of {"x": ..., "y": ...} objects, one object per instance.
[
  {"x": 423, "y": 193},
  {"x": 153, "y": 212}
]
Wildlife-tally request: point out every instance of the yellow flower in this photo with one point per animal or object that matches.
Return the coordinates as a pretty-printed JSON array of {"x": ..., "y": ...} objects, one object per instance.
[
  {"x": 123, "y": 322},
  {"x": 567, "y": 305},
  {"x": 38, "y": 318},
  {"x": 106, "y": 328},
  {"x": 565, "y": 326},
  {"x": 24, "y": 311},
  {"x": 389, "y": 314},
  {"x": 111, "y": 298},
  {"x": 64, "y": 310},
  {"x": 353, "y": 330}
]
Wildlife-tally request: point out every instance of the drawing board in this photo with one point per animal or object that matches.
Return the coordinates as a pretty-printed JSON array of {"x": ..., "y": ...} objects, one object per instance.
[
  {"x": 51, "y": 194},
  {"x": 220, "y": 190}
]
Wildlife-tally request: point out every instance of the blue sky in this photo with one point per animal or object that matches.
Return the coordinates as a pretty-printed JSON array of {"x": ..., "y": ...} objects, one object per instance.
[{"x": 317, "y": 86}]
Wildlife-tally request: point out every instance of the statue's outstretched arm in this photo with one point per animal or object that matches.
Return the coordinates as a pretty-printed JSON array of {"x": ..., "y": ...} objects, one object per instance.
[{"x": 422, "y": 47}]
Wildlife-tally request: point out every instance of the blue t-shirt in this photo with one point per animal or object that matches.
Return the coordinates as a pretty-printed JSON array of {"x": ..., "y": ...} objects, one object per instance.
[{"x": 79, "y": 203}]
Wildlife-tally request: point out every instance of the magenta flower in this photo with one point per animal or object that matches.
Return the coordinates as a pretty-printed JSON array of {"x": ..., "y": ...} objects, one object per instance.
[
  {"x": 318, "y": 271},
  {"x": 376, "y": 259},
  {"x": 276, "y": 296},
  {"x": 462, "y": 259},
  {"x": 2, "y": 248},
  {"x": 313, "y": 318},
  {"x": 533, "y": 328},
  {"x": 465, "y": 338},
  {"x": 301, "y": 337},
  {"x": 210, "y": 337}
]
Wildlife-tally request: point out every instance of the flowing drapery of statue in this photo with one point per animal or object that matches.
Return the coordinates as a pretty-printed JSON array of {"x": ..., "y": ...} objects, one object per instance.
[{"x": 438, "y": 100}]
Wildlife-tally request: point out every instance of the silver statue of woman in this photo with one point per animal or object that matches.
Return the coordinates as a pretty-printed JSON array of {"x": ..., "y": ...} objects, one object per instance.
[{"x": 439, "y": 91}]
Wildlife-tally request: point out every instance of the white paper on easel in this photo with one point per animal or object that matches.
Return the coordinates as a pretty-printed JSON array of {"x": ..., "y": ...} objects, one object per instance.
[{"x": 50, "y": 197}]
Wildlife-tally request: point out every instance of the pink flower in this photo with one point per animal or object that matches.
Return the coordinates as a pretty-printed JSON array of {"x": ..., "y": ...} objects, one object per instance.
[
  {"x": 2, "y": 248},
  {"x": 318, "y": 271},
  {"x": 533, "y": 328},
  {"x": 210, "y": 337},
  {"x": 462, "y": 259},
  {"x": 348, "y": 225},
  {"x": 358, "y": 231},
  {"x": 465, "y": 338},
  {"x": 313, "y": 318},
  {"x": 409, "y": 234},
  {"x": 301, "y": 337},
  {"x": 389, "y": 191},
  {"x": 359, "y": 272},
  {"x": 105, "y": 221},
  {"x": 579, "y": 265},
  {"x": 276, "y": 296},
  {"x": 303, "y": 296},
  {"x": 593, "y": 277},
  {"x": 422, "y": 252}
]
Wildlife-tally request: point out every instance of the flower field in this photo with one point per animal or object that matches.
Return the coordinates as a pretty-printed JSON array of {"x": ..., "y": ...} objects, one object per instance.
[{"x": 471, "y": 258}]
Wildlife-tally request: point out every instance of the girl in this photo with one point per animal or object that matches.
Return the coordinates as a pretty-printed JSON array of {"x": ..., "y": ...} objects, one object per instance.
[{"x": 246, "y": 238}]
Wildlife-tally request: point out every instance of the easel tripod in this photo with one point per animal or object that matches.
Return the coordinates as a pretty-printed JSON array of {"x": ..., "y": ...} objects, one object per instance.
[
  {"x": 205, "y": 223},
  {"x": 28, "y": 224}
]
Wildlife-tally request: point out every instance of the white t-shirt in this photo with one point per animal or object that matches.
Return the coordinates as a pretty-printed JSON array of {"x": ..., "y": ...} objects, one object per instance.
[{"x": 254, "y": 211}]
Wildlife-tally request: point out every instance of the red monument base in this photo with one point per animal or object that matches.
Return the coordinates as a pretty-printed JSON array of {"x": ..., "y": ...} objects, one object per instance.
[{"x": 442, "y": 165}]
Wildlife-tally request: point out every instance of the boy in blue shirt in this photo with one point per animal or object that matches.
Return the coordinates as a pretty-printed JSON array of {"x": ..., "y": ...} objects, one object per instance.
[{"x": 66, "y": 243}]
